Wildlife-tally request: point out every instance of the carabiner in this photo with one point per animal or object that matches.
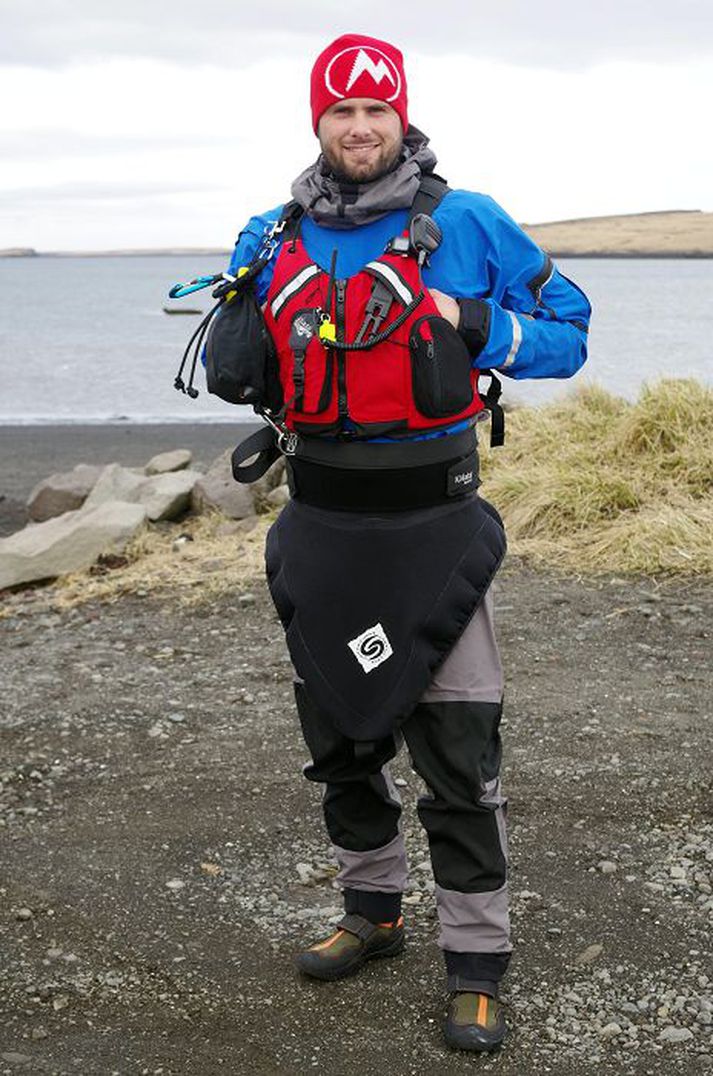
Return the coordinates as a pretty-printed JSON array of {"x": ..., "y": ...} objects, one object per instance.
[{"x": 200, "y": 282}]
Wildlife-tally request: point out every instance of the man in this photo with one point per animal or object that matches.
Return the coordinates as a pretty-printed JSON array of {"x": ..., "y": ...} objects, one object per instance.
[{"x": 383, "y": 292}]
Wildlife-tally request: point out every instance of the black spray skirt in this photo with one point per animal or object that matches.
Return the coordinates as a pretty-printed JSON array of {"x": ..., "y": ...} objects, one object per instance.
[{"x": 372, "y": 604}]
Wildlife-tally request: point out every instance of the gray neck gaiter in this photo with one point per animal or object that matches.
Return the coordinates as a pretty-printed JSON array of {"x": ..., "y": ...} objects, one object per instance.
[{"x": 337, "y": 203}]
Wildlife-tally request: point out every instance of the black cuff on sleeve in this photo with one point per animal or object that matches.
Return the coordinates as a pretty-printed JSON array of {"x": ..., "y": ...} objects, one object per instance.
[{"x": 474, "y": 324}]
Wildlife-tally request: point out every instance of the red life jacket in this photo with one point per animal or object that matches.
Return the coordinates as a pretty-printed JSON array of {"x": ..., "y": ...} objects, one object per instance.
[{"x": 402, "y": 368}]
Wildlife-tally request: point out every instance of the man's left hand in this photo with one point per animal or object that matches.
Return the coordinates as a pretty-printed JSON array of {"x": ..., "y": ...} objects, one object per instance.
[{"x": 447, "y": 307}]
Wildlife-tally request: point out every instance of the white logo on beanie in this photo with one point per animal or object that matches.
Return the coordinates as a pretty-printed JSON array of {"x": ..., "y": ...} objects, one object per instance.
[{"x": 369, "y": 61}]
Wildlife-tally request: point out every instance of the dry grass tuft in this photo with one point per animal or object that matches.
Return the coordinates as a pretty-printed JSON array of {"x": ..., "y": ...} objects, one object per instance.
[
  {"x": 208, "y": 565},
  {"x": 594, "y": 483}
]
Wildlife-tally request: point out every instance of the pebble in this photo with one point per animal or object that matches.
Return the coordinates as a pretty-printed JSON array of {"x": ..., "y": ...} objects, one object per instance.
[
  {"x": 606, "y": 866},
  {"x": 175, "y": 884},
  {"x": 24, "y": 913},
  {"x": 176, "y": 718},
  {"x": 610, "y": 1031},
  {"x": 676, "y": 1034},
  {"x": 589, "y": 954}
]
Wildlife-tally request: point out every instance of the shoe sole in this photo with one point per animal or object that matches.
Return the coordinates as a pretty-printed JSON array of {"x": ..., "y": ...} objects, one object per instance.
[
  {"x": 472, "y": 1049},
  {"x": 331, "y": 974}
]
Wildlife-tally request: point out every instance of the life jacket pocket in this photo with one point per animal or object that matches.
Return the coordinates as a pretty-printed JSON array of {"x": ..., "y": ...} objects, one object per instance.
[
  {"x": 312, "y": 365},
  {"x": 440, "y": 368}
]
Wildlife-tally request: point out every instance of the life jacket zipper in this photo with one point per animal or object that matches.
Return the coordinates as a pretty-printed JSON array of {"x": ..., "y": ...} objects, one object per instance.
[{"x": 340, "y": 287}]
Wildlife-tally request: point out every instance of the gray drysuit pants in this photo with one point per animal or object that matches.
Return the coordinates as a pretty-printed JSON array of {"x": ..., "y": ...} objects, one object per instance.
[{"x": 454, "y": 743}]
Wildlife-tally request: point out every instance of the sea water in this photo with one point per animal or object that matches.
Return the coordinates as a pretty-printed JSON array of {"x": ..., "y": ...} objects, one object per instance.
[{"x": 87, "y": 340}]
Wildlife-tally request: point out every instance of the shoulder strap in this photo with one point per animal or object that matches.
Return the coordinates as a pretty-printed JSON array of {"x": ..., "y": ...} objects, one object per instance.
[
  {"x": 431, "y": 192},
  {"x": 291, "y": 218}
]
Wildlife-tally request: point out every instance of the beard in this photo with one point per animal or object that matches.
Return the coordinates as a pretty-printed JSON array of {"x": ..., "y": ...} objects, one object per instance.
[{"x": 367, "y": 172}]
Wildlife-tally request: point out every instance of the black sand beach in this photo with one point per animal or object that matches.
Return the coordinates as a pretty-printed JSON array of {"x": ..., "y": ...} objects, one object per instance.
[{"x": 31, "y": 453}]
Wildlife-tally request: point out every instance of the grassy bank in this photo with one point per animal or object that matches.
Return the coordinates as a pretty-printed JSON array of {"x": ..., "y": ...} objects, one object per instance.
[{"x": 597, "y": 484}]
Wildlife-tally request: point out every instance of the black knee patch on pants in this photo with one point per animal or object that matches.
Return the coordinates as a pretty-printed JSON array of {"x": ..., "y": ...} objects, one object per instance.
[
  {"x": 455, "y": 748},
  {"x": 358, "y": 808}
]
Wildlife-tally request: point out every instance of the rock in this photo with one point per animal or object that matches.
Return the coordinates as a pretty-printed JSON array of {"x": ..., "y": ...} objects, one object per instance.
[
  {"x": 164, "y": 495},
  {"x": 278, "y": 497},
  {"x": 676, "y": 1034},
  {"x": 169, "y": 494},
  {"x": 23, "y": 913},
  {"x": 68, "y": 543},
  {"x": 14, "y": 1058},
  {"x": 236, "y": 526},
  {"x": 590, "y": 954},
  {"x": 175, "y": 884},
  {"x": 164, "y": 462},
  {"x": 610, "y": 1031},
  {"x": 606, "y": 866},
  {"x": 60, "y": 493},
  {"x": 217, "y": 489},
  {"x": 272, "y": 478}
]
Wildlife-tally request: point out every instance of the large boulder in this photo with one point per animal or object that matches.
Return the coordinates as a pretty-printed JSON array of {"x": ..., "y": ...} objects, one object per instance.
[
  {"x": 62, "y": 492},
  {"x": 165, "y": 496},
  {"x": 217, "y": 489},
  {"x": 177, "y": 460},
  {"x": 67, "y": 543}
]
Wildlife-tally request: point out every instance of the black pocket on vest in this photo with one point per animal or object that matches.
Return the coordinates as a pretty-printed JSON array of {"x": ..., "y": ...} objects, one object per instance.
[
  {"x": 241, "y": 365},
  {"x": 440, "y": 367}
]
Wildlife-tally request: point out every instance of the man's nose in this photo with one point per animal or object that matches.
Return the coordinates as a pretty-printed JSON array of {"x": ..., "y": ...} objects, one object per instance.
[{"x": 361, "y": 125}]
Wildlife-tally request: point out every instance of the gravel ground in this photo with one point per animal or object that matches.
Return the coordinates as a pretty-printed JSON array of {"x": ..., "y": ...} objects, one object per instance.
[{"x": 163, "y": 857}]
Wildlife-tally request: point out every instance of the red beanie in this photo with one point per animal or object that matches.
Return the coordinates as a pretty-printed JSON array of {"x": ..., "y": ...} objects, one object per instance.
[{"x": 358, "y": 66}]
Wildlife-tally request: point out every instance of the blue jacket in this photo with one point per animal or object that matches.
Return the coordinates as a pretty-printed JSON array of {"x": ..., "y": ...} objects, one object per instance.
[{"x": 484, "y": 254}]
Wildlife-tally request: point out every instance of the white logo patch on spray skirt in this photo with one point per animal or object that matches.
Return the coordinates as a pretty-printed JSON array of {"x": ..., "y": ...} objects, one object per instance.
[{"x": 371, "y": 648}]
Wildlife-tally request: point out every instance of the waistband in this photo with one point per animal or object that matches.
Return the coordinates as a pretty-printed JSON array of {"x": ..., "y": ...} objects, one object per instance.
[
  {"x": 396, "y": 455},
  {"x": 352, "y": 489}
]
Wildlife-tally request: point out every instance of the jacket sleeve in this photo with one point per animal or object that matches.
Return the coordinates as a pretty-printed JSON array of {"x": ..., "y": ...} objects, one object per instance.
[
  {"x": 524, "y": 280},
  {"x": 247, "y": 245}
]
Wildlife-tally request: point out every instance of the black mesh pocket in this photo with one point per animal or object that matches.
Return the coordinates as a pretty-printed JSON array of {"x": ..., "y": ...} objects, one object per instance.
[
  {"x": 241, "y": 366},
  {"x": 440, "y": 368}
]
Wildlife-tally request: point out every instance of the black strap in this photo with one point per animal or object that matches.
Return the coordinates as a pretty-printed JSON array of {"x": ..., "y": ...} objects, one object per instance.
[
  {"x": 491, "y": 399},
  {"x": 292, "y": 214},
  {"x": 261, "y": 444},
  {"x": 357, "y": 925},
  {"x": 431, "y": 192}
]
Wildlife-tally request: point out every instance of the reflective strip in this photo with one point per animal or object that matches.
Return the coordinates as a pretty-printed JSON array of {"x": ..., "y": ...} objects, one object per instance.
[
  {"x": 394, "y": 281},
  {"x": 291, "y": 287},
  {"x": 516, "y": 340}
]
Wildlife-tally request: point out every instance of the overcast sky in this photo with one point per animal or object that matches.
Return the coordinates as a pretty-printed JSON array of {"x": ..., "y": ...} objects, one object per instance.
[{"x": 163, "y": 124}]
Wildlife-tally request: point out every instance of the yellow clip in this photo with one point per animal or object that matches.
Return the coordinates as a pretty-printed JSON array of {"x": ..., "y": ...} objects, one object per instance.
[
  {"x": 242, "y": 270},
  {"x": 328, "y": 331}
]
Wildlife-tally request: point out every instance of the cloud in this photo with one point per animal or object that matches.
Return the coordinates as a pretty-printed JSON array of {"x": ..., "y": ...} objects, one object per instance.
[
  {"x": 47, "y": 143},
  {"x": 550, "y": 33},
  {"x": 96, "y": 193}
]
